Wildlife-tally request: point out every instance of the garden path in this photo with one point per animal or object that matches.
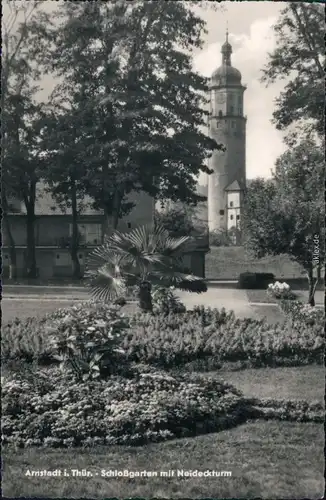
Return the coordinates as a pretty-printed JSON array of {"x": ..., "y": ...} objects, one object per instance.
[{"x": 229, "y": 298}]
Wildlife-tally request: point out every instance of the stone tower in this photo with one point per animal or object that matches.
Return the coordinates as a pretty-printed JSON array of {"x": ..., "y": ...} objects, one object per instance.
[{"x": 227, "y": 125}]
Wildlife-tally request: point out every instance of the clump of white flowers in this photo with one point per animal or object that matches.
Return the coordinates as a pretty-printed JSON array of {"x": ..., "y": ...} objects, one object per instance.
[{"x": 280, "y": 290}]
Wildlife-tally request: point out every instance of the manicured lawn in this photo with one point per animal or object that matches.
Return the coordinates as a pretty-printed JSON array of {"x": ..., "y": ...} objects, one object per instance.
[
  {"x": 267, "y": 460},
  {"x": 303, "y": 382},
  {"x": 272, "y": 314},
  {"x": 229, "y": 262},
  {"x": 26, "y": 308},
  {"x": 260, "y": 296}
]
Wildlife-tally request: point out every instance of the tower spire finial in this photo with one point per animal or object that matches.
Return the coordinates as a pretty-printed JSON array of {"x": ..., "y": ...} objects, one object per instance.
[{"x": 227, "y": 32}]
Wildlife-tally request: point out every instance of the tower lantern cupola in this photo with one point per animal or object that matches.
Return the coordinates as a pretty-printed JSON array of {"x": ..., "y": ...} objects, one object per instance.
[
  {"x": 226, "y": 74},
  {"x": 226, "y": 51}
]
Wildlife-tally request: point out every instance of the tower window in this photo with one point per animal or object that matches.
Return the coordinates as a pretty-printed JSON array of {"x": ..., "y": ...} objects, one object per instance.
[
  {"x": 129, "y": 225},
  {"x": 221, "y": 212},
  {"x": 238, "y": 217},
  {"x": 231, "y": 110},
  {"x": 220, "y": 113},
  {"x": 231, "y": 203},
  {"x": 231, "y": 217}
]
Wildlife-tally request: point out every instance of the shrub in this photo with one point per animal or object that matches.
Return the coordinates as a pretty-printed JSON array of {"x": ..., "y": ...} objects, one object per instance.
[
  {"x": 202, "y": 339},
  {"x": 255, "y": 281},
  {"x": 165, "y": 301},
  {"x": 90, "y": 351},
  {"x": 212, "y": 338},
  {"x": 25, "y": 339},
  {"x": 280, "y": 291},
  {"x": 300, "y": 313},
  {"x": 296, "y": 411},
  {"x": 75, "y": 335},
  {"x": 149, "y": 407}
]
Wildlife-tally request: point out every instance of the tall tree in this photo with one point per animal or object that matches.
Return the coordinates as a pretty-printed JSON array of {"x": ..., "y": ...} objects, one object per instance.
[
  {"x": 62, "y": 142},
  {"x": 286, "y": 215},
  {"x": 299, "y": 57},
  {"x": 20, "y": 115},
  {"x": 22, "y": 162},
  {"x": 145, "y": 105}
]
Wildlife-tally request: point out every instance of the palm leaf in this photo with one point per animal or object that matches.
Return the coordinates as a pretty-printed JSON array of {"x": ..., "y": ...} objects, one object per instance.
[
  {"x": 106, "y": 274},
  {"x": 145, "y": 253}
]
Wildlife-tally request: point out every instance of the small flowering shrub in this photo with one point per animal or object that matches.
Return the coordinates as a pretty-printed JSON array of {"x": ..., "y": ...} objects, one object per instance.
[
  {"x": 87, "y": 340},
  {"x": 24, "y": 339},
  {"x": 209, "y": 339},
  {"x": 295, "y": 411},
  {"x": 303, "y": 313},
  {"x": 280, "y": 291},
  {"x": 148, "y": 407},
  {"x": 165, "y": 301},
  {"x": 199, "y": 339}
]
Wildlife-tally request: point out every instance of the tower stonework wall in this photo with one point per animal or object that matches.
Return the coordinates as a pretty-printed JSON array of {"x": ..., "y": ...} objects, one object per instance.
[{"x": 227, "y": 125}]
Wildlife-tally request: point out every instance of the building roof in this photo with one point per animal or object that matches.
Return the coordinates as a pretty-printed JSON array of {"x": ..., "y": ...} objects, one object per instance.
[
  {"x": 46, "y": 205},
  {"x": 234, "y": 186},
  {"x": 226, "y": 74}
]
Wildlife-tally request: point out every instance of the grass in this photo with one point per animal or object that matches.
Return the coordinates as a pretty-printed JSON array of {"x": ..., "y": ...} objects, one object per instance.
[
  {"x": 229, "y": 262},
  {"x": 267, "y": 460},
  {"x": 260, "y": 296},
  {"x": 304, "y": 382},
  {"x": 271, "y": 313},
  {"x": 27, "y": 308}
]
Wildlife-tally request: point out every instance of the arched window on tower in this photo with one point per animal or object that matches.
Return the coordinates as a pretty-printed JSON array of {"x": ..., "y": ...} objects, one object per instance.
[
  {"x": 220, "y": 114},
  {"x": 231, "y": 110}
]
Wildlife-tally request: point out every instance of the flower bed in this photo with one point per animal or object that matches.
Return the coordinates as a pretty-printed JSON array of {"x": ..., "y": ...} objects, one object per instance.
[
  {"x": 279, "y": 290},
  {"x": 205, "y": 337},
  {"x": 295, "y": 411},
  {"x": 148, "y": 407},
  {"x": 52, "y": 410},
  {"x": 305, "y": 314}
]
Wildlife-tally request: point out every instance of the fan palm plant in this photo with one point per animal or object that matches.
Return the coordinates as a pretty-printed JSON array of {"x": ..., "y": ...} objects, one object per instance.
[{"x": 143, "y": 257}]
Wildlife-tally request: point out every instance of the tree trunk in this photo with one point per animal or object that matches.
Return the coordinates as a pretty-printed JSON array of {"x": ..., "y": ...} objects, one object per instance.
[
  {"x": 116, "y": 209},
  {"x": 11, "y": 241},
  {"x": 30, "y": 228},
  {"x": 74, "y": 246},
  {"x": 12, "y": 249},
  {"x": 145, "y": 296},
  {"x": 312, "y": 287}
]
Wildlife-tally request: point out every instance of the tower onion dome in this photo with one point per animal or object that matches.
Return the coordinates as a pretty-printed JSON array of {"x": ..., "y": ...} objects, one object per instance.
[{"x": 226, "y": 74}]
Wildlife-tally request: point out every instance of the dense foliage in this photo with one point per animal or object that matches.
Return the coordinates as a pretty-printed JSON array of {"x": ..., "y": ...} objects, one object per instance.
[
  {"x": 279, "y": 290},
  {"x": 255, "y": 280},
  {"x": 303, "y": 313},
  {"x": 143, "y": 257},
  {"x": 202, "y": 338},
  {"x": 299, "y": 57},
  {"x": 148, "y": 407},
  {"x": 285, "y": 215}
]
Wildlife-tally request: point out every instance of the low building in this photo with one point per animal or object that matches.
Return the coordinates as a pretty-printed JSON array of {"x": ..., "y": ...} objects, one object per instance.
[{"x": 53, "y": 229}]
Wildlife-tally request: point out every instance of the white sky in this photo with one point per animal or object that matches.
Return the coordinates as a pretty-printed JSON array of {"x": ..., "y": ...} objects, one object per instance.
[{"x": 251, "y": 38}]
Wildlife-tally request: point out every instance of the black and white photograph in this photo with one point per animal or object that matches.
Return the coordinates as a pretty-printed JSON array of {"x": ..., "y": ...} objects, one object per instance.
[{"x": 163, "y": 249}]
